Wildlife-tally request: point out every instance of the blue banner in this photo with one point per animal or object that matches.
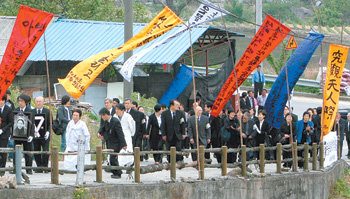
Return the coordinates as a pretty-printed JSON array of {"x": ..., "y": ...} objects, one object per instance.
[
  {"x": 278, "y": 96},
  {"x": 178, "y": 85}
]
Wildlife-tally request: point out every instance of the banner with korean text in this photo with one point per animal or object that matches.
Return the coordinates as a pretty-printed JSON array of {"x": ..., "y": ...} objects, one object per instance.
[
  {"x": 29, "y": 26},
  {"x": 83, "y": 74},
  {"x": 296, "y": 65},
  {"x": 336, "y": 61},
  {"x": 203, "y": 14},
  {"x": 271, "y": 33}
]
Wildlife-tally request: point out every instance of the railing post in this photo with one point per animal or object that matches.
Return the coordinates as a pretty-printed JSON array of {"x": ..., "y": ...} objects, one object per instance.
[
  {"x": 279, "y": 158},
  {"x": 306, "y": 156},
  {"x": 314, "y": 156},
  {"x": 262, "y": 158},
  {"x": 137, "y": 164},
  {"x": 321, "y": 155},
  {"x": 295, "y": 157},
  {"x": 18, "y": 165},
  {"x": 99, "y": 164},
  {"x": 223, "y": 160},
  {"x": 54, "y": 166},
  {"x": 173, "y": 163},
  {"x": 201, "y": 159},
  {"x": 244, "y": 160},
  {"x": 80, "y": 161}
]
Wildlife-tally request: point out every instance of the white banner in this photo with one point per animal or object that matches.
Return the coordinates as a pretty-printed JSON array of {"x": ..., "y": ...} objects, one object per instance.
[
  {"x": 203, "y": 14},
  {"x": 330, "y": 142}
]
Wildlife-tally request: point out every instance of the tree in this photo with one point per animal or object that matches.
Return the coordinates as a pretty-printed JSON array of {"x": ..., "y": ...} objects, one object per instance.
[
  {"x": 331, "y": 13},
  {"x": 235, "y": 8},
  {"x": 278, "y": 63},
  {"x": 177, "y": 5}
]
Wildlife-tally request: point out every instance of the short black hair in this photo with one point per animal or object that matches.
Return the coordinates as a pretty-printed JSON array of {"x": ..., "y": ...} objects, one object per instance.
[
  {"x": 263, "y": 112},
  {"x": 120, "y": 107},
  {"x": 319, "y": 110},
  {"x": 306, "y": 113},
  {"x": 191, "y": 112},
  {"x": 4, "y": 98},
  {"x": 127, "y": 99},
  {"x": 65, "y": 99},
  {"x": 104, "y": 111},
  {"x": 135, "y": 103},
  {"x": 259, "y": 66},
  {"x": 77, "y": 111},
  {"x": 8, "y": 92},
  {"x": 157, "y": 107},
  {"x": 25, "y": 98},
  {"x": 244, "y": 94},
  {"x": 172, "y": 103},
  {"x": 209, "y": 105},
  {"x": 163, "y": 106},
  {"x": 116, "y": 100},
  {"x": 264, "y": 90},
  {"x": 198, "y": 98},
  {"x": 250, "y": 91}
]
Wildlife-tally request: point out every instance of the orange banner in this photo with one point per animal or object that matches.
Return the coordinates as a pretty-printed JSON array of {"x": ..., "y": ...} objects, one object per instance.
[
  {"x": 336, "y": 61},
  {"x": 84, "y": 73},
  {"x": 270, "y": 34},
  {"x": 29, "y": 26}
]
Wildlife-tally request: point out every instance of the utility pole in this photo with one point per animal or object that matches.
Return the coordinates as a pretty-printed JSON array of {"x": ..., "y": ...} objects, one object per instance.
[
  {"x": 128, "y": 34},
  {"x": 258, "y": 17}
]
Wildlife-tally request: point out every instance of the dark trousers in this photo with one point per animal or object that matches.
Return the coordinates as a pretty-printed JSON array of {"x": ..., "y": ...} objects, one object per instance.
[
  {"x": 348, "y": 141},
  {"x": 113, "y": 160},
  {"x": 258, "y": 87},
  {"x": 176, "y": 143},
  {"x": 3, "y": 156},
  {"x": 137, "y": 142},
  {"x": 341, "y": 147},
  {"x": 42, "y": 160},
  {"x": 287, "y": 155},
  {"x": 156, "y": 144},
  {"x": 27, "y": 146},
  {"x": 215, "y": 143}
]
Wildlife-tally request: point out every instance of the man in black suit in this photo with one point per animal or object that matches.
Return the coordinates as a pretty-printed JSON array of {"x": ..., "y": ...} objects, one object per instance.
[
  {"x": 6, "y": 122},
  {"x": 340, "y": 127},
  {"x": 153, "y": 130},
  {"x": 316, "y": 119},
  {"x": 41, "y": 134},
  {"x": 140, "y": 120},
  {"x": 109, "y": 106},
  {"x": 23, "y": 102},
  {"x": 250, "y": 102},
  {"x": 173, "y": 127},
  {"x": 112, "y": 132},
  {"x": 244, "y": 101},
  {"x": 215, "y": 132},
  {"x": 347, "y": 133},
  {"x": 64, "y": 116}
]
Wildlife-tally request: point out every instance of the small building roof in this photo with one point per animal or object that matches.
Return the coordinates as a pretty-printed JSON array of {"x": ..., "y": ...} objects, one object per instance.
[{"x": 76, "y": 40}]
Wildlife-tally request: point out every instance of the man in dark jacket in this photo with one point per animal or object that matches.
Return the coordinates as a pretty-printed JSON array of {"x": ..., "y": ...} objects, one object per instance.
[
  {"x": 64, "y": 116},
  {"x": 340, "y": 127},
  {"x": 23, "y": 102},
  {"x": 173, "y": 127},
  {"x": 316, "y": 119},
  {"x": 6, "y": 122},
  {"x": 112, "y": 132},
  {"x": 215, "y": 140},
  {"x": 153, "y": 130},
  {"x": 42, "y": 133}
]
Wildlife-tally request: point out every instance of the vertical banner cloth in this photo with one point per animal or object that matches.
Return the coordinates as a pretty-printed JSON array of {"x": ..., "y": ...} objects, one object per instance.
[
  {"x": 278, "y": 96},
  {"x": 330, "y": 142},
  {"x": 203, "y": 14},
  {"x": 270, "y": 34},
  {"x": 336, "y": 62},
  {"x": 178, "y": 85},
  {"x": 29, "y": 26},
  {"x": 83, "y": 74}
]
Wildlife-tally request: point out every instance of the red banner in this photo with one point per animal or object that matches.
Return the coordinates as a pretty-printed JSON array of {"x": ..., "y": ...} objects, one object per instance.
[
  {"x": 270, "y": 34},
  {"x": 29, "y": 26}
]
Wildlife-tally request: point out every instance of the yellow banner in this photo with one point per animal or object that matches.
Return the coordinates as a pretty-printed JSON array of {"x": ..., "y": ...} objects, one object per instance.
[
  {"x": 336, "y": 62},
  {"x": 83, "y": 74}
]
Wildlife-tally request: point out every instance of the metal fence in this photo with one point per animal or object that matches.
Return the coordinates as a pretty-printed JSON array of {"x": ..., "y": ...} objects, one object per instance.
[{"x": 242, "y": 163}]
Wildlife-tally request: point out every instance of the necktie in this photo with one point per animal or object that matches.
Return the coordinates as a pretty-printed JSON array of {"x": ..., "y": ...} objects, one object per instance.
[
  {"x": 39, "y": 111},
  {"x": 173, "y": 115},
  {"x": 199, "y": 118},
  {"x": 259, "y": 76}
]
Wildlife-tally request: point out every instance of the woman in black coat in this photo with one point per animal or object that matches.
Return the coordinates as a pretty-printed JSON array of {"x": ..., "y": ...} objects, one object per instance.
[
  {"x": 231, "y": 125},
  {"x": 286, "y": 135}
]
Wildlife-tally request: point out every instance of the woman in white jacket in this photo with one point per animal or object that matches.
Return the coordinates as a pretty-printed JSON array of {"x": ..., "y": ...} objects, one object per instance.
[{"x": 75, "y": 128}]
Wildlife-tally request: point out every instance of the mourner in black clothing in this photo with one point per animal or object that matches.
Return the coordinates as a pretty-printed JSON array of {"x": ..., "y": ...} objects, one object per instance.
[
  {"x": 112, "y": 132},
  {"x": 64, "y": 116},
  {"x": 109, "y": 106},
  {"x": 231, "y": 125},
  {"x": 22, "y": 101},
  {"x": 347, "y": 133},
  {"x": 215, "y": 132},
  {"x": 41, "y": 134},
  {"x": 6, "y": 118},
  {"x": 9, "y": 103},
  {"x": 288, "y": 131},
  {"x": 262, "y": 129},
  {"x": 316, "y": 119},
  {"x": 244, "y": 101},
  {"x": 153, "y": 130},
  {"x": 173, "y": 127},
  {"x": 340, "y": 127}
]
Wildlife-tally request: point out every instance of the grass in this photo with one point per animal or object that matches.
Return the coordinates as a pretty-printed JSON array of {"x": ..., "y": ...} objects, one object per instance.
[{"x": 342, "y": 187}]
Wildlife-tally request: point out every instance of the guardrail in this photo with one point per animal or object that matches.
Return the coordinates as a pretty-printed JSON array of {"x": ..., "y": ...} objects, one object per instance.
[
  {"x": 224, "y": 151},
  {"x": 268, "y": 78}
]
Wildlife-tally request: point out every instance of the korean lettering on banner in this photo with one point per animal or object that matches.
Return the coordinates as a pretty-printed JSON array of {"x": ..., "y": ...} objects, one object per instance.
[
  {"x": 29, "y": 26},
  {"x": 336, "y": 62},
  {"x": 83, "y": 74},
  {"x": 270, "y": 34}
]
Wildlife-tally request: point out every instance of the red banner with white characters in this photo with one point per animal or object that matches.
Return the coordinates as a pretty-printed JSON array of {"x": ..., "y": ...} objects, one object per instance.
[
  {"x": 29, "y": 26},
  {"x": 270, "y": 35}
]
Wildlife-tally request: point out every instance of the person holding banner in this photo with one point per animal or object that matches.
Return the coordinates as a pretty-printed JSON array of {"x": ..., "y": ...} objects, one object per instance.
[
  {"x": 305, "y": 129},
  {"x": 258, "y": 81}
]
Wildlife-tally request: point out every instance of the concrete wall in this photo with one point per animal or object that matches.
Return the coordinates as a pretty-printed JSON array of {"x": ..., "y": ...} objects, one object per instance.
[{"x": 295, "y": 185}]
